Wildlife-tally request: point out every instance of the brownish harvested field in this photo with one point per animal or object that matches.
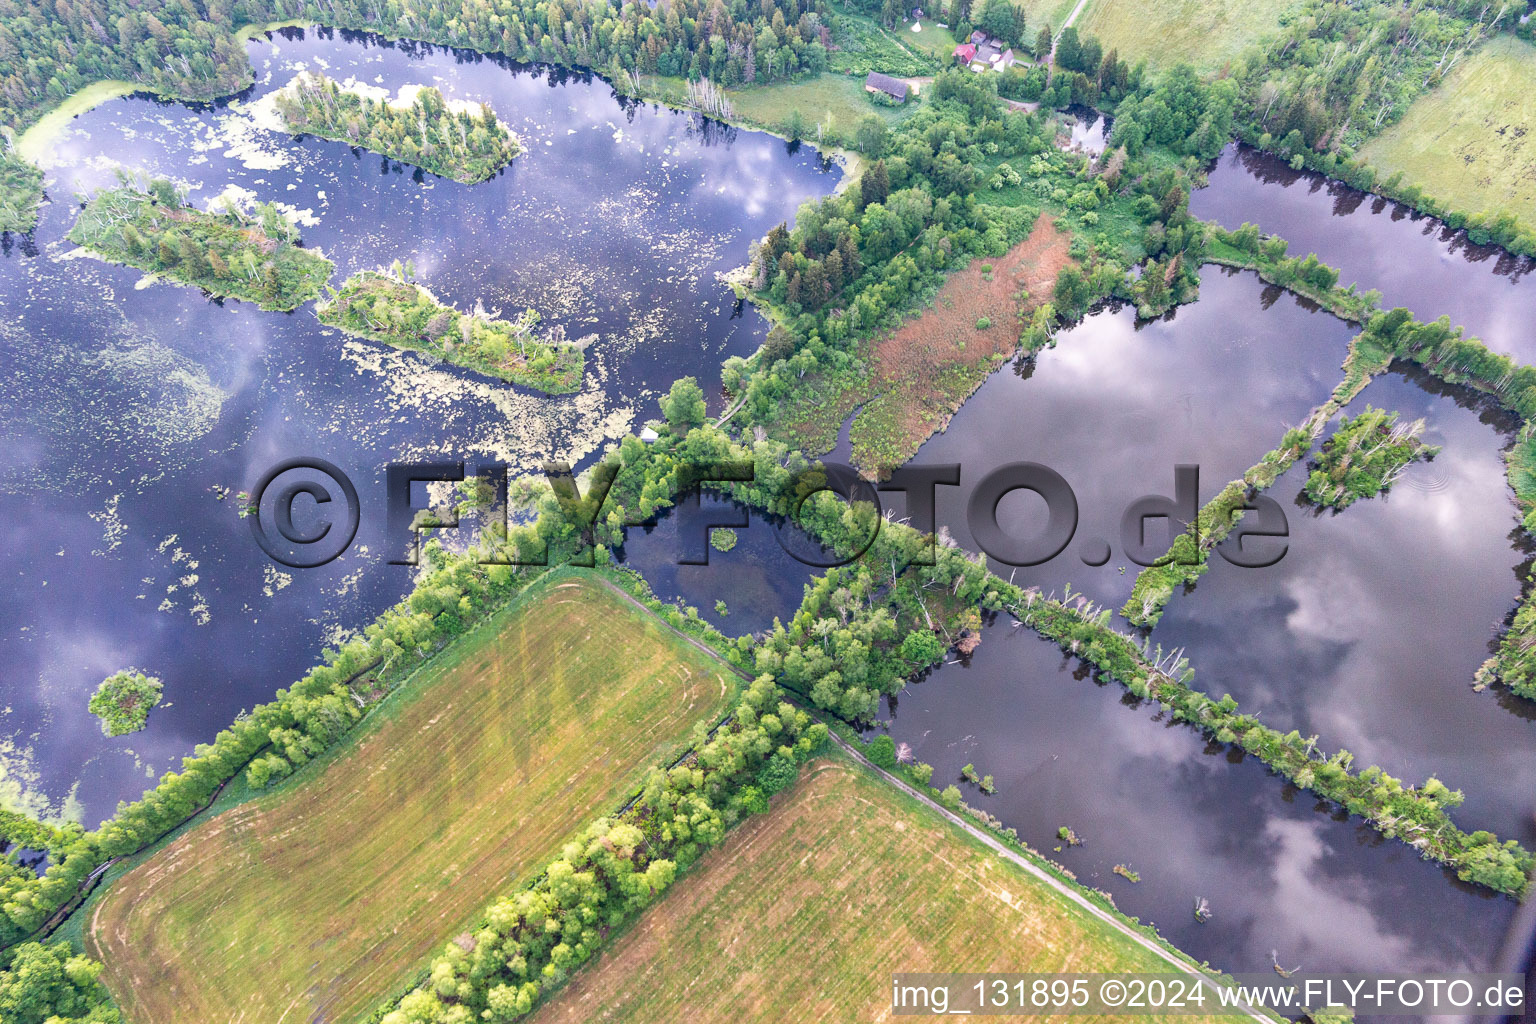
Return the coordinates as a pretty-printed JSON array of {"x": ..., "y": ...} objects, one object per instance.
[
  {"x": 923, "y": 371},
  {"x": 804, "y": 913},
  {"x": 927, "y": 367},
  {"x": 319, "y": 900}
]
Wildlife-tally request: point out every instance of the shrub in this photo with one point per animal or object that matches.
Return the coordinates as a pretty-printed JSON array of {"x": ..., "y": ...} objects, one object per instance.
[
  {"x": 922, "y": 646},
  {"x": 882, "y": 752}
]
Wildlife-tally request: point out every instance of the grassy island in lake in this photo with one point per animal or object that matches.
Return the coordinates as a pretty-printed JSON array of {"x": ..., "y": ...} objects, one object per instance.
[
  {"x": 467, "y": 146},
  {"x": 1363, "y": 457},
  {"x": 253, "y": 256},
  {"x": 386, "y": 306}
]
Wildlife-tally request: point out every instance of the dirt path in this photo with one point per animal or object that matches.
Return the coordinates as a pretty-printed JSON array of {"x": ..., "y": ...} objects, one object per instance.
[
  {"x": 1051, "y": 880},
  {"x": 1073, "y": 16}
]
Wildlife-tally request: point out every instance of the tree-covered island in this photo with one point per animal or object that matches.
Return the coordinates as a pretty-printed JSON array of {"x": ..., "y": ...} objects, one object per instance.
[
  {"x": 1363, "y": 457},
  {"x": 387, "y": 306},
  {"x": 459, "y": 144},
  {"x": 247, "y": 255}
]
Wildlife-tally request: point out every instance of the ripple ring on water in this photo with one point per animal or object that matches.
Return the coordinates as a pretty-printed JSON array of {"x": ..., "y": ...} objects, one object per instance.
[{"x": 1427, "y": 477}]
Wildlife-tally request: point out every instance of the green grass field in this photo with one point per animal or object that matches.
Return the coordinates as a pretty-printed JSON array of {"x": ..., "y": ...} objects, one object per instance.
[
  {"x": 317, "y": 901},
  {"x": 804, "y": 914},
  {"x": 1204, "y": 33},
  {"x": 836, "y": 97},
  {"x": 932, "y": 40},
  {"x": 1471, "y": 142},
  {"x": 1046, "y": 12}
]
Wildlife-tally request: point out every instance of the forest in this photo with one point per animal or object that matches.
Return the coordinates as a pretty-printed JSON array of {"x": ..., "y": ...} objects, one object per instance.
[
  {"x": 251, "y": 255},
  {"x": 467, "y": 147},
  {"x": 388, "y": 306}
]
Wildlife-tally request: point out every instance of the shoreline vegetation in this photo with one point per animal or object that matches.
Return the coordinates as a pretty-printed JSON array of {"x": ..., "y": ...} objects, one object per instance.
[
  {"x": 389, "y": 306},
  {"x": 1188, "y": 557},
  {"x": 557, "y": 705},
  {"x": 253, "y": 256},
  {"x": 21, "y": 190},
  {"x": 450, "y": 140},
  {"x": 932, "y": 196}
]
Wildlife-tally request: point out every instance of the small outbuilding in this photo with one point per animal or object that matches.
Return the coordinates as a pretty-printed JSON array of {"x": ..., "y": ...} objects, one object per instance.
[
  {"x": 895, "y": 88},
  {"x": 965, "y": 53}
]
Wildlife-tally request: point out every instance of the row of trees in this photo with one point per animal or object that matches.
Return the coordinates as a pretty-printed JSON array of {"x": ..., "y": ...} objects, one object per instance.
[
  {"x": 253, "y": 256},
  {"x": 1337, "y": 73},
  {"x": 461, "y": 145},
  {"x": 849, "y": 640},
  {"x": 50, "y": 50},
  {"x": 530, "y": 941},
  {"x": 944, "y": 593},
  {"x": 1307, "y": 275}
]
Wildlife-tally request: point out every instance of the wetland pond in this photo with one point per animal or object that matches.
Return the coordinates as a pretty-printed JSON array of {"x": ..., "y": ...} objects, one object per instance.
[
  {"x": 1413, "y": 260},
  {"x": 127, "y": 408},
  {"x": 1366, "y": 634}
]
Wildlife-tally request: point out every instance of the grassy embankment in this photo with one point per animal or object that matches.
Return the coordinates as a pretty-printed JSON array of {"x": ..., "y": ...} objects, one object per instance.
[
  {"x": 1207, "y": 34},
  {"x": 835, "y": 103},
  {"x": 382, "y": 307},
  {"x": 785, "y": 921},
  {"x": 322, "y": 897},
  {"x": 245, "y": 256},
  {"x": 1471, "y": 142}
]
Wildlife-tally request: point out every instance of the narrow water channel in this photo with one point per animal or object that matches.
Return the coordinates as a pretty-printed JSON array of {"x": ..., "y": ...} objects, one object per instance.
[{"x": 1413, "y": 260}]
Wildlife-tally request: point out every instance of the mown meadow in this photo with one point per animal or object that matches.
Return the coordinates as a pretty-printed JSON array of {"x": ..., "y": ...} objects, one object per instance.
[{"x": 468, "y": 778}]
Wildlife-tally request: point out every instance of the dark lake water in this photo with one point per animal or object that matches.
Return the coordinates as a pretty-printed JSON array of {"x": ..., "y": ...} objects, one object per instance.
[
  {"x": 1413, "y": 260},
  {"x": 123, "y": 408},
  {"x": 1281, "y": 872},
  {"x": 1117, "y": 404},
  {"x": 1369, "y": 631},
  {"x": 759, "y": 579}
]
